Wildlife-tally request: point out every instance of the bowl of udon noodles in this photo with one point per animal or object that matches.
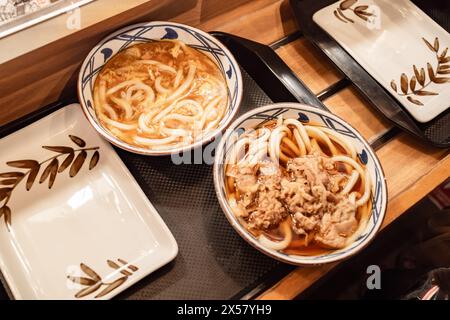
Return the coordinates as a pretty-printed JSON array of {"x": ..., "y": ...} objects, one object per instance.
[
  {"x": 159, "y": 88},
  {"x": 299, "y": 184}
]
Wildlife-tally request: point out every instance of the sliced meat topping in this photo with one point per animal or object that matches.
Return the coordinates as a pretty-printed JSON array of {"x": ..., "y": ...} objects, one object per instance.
[{"x": 308, "y": 189}]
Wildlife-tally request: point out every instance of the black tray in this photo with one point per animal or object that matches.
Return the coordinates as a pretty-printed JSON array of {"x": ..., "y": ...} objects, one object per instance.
[
  {"x": 213, "y": 261},
  {"x": 436, "y": 131}
]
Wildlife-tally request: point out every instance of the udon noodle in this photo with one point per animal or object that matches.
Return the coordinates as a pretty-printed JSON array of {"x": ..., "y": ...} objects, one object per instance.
[
  {"x": 160, "y": 95},
  {"x": 299, "y": 189}
]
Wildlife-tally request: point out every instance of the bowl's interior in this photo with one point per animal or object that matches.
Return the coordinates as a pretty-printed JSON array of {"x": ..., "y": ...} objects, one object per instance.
[
  {"x": 152, "y": 31},
  {"x": 306, "y": 114}
]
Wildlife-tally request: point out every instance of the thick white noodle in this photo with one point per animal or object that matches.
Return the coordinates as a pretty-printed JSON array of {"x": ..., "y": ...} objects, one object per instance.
[
  {"x": 351, "y": 182},
  {"x": 209, "y": 111},
  {"x": 163, "y": 112},
  {"x": 161, "y": 66},
  {"x": 363, "y": 174},
  {"x": 119, "y": 125},
  {"x": 298, "y": 138},
  {"x": 155, "y": 142},
  {"x": 179, "y": 117},
  {"x": 100, "y": 101},
  {"x": 201, "y": 122},
  {"x": 174, "y": 132},
  {"x": 367, "y": 184},
  {"x": 122, "y": 85},
  {"x": 238, "y": 150},
  {"x": 260, "y": 138},
  {"x": 220, "y": 111},
  {"x": 278, "y": 245},
  {"x": 341, "y": 140},
  {"x": 150, "y": 93},
  {"x": 124, "y": 105},
  {"x": 260, "y": 155},
  {"x": 178, "y": 78},
  {"x": 257, "y": 147},
  {"x": 362, "y": 223},
  {"x": 160, "y": 88},
  {"x": 192, "y": 106},
  {"x": 319, "y": 134},
  {"x": 185, "y": 85},
  {"x": 275, "y": 142},
  {"x": 130, "y": 96},
  {"x": 302, "y": 131},
  {"x": 143, "y": 124},
  {"x": 110, "y": 111}
]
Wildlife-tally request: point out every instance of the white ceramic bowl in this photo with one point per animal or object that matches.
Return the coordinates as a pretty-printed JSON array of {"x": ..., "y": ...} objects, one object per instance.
[
  {"x": 157, "y": 30},
  {"x": 305, "y": 114}
]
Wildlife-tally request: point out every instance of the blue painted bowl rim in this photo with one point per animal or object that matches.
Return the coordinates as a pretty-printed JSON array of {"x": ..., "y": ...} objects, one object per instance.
[
  {"x": 139, "y": 150},
  {"x": 295, "y": 260}
]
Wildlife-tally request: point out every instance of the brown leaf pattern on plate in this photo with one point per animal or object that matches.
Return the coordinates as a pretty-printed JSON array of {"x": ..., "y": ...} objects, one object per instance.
[
  {"x": 59, "y": 149},
  {"x": 94, "y": 160},
  {"x": 82, "y": 280},
  {"x": 412, "y": 83},
  {"x": 47, "y": 170},
  {"x": 344, "y": 5},
  {"x": 359, "y": 11},
  {"x": 51, "y": 169},
  {"x": 422, "y": 77},
  {"x": 336, "y": 14},
  {"x": 5, "y": 193},
  {"x": 67, "y": 162},
  {"x": 435, "y": 75},
  {"x": 411, "y": 99},
  {"x": 87, "y": 291},
  {"x": 77, "y": 164},
  {"x": 7, "y": 182},
  {"x": 110, "y": 287},
  {"x": 112, "y": 264},
  {"x": 94, "y": 282},
  {"x": 90, "y": 272},
  {"x": 11, "y": 175},
  {"x": 343, "y": 17},
  {"x": 394, "y": 85},
  {"x": 404, "y": 83},
  {"x": 23, "y": 164},
  {"x": 78, "y": 141}
]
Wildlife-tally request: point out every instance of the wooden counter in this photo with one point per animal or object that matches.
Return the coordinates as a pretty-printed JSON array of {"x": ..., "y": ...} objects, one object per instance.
[{"x": 412, "y": 169}]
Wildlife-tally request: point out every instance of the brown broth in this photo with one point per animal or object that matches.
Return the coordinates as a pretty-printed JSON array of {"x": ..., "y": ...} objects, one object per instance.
[
  {"x": 208, "y": 84},
  {"x": 298, "y": 245}
]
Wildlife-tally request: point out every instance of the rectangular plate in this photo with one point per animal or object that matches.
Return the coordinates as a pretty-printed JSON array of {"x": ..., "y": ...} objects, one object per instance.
[
  {"x": 389, "y": 44},
  {"x": 98, "y": 224}
]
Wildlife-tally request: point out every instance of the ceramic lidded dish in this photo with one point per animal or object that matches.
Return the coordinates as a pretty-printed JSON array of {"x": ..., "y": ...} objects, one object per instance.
[
  {"x": 309, "y": 117},
  {"x": 156, "y": 31}
]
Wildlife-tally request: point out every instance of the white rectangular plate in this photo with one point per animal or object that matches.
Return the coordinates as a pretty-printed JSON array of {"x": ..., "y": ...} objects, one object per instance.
[
  {"x": 97, "y": 227},
  {"x": 387, "y": 39}
]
